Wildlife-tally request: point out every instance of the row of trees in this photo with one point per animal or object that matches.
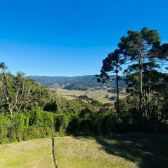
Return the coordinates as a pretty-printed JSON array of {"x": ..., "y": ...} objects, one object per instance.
[{"x": 147, "y": 85}]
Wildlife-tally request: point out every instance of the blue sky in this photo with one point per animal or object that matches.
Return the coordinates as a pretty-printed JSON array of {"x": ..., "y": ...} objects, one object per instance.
[{"x": 71, "y": 38}]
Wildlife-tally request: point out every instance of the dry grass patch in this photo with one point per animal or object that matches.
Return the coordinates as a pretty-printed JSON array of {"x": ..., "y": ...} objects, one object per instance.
[{"x": 30, "y": 154}]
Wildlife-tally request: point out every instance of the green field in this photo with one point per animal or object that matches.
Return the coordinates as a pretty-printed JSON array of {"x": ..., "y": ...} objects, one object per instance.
[
  {"x": 97, "y": 95},
  {"x": 69, "y": 92},
  {"x": 138, "y": 150}
]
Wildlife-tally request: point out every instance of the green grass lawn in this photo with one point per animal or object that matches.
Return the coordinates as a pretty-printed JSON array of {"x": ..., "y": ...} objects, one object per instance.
[{"x": 137, "y": 150}]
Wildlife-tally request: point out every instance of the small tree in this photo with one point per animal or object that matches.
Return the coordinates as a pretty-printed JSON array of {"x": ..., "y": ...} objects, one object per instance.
[
  {"x": 112, "y": 63},
  {"x": 56, "y": 87}
]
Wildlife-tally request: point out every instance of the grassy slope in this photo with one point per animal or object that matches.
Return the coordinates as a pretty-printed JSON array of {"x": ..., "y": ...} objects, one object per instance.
[{"x": 118, "y": 151}]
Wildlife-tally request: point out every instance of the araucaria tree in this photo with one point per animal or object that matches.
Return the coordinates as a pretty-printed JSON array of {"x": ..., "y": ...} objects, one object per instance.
[
  {"x": 139, "y": 47},
  {"x": 112, "y": 63}
]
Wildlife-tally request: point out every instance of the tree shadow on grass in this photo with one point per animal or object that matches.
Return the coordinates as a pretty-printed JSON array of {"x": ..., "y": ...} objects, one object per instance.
[{"x": 148, "y": 150}]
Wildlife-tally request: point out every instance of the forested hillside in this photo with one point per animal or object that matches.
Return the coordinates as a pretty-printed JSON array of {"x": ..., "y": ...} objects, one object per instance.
[
  {"x": 77, "y": 82},
  {"x": 47, "y": 80}
]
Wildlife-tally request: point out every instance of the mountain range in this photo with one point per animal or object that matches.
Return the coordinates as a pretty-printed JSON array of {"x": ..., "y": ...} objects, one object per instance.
[{"x": 75, "y": 83}]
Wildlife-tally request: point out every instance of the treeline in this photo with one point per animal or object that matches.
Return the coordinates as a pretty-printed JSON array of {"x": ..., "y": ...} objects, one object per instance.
[{"x": 82, "y": 117}]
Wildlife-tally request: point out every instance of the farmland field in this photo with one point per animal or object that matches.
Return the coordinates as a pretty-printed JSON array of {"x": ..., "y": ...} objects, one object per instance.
[{"x": 97, "y": 95}]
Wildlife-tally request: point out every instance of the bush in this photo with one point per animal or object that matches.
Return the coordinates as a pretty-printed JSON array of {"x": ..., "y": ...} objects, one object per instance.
[
  {"x": 122, "y": 105},
  {"x": 106, "y": 96},
  {"x": 96, "y": 103},
  {"x": 113, "y": 98},
  {"x": 107, "y": 104}
]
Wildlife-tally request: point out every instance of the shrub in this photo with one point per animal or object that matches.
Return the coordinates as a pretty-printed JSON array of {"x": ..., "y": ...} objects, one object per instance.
[{"x": 106, "y": 96}]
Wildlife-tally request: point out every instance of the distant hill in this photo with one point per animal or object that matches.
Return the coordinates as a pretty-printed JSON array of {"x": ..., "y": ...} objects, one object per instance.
[
  {"x": 75, "y": 83},
  {"x": 47, "y": 80}
]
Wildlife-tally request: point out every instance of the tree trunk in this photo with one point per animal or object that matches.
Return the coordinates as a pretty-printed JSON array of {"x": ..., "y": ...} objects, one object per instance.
[
  {"x": 118, "y": 110},
  {"x": 148, "y": 98},
  {"x": 7, "y": 92},
  {"x": 140, "y": 72},
  {"x": 10, "y": 112}
]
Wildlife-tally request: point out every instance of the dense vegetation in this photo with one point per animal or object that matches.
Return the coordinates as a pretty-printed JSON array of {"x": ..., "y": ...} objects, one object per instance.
[{"x": 29, "y": 110}]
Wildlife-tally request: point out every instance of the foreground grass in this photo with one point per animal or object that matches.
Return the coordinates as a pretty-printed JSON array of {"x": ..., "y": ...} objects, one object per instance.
[
  {"x": 86, "y": 153},
  {"x": 119, "y": 151},
  {"x": 30, "y": 154}
]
